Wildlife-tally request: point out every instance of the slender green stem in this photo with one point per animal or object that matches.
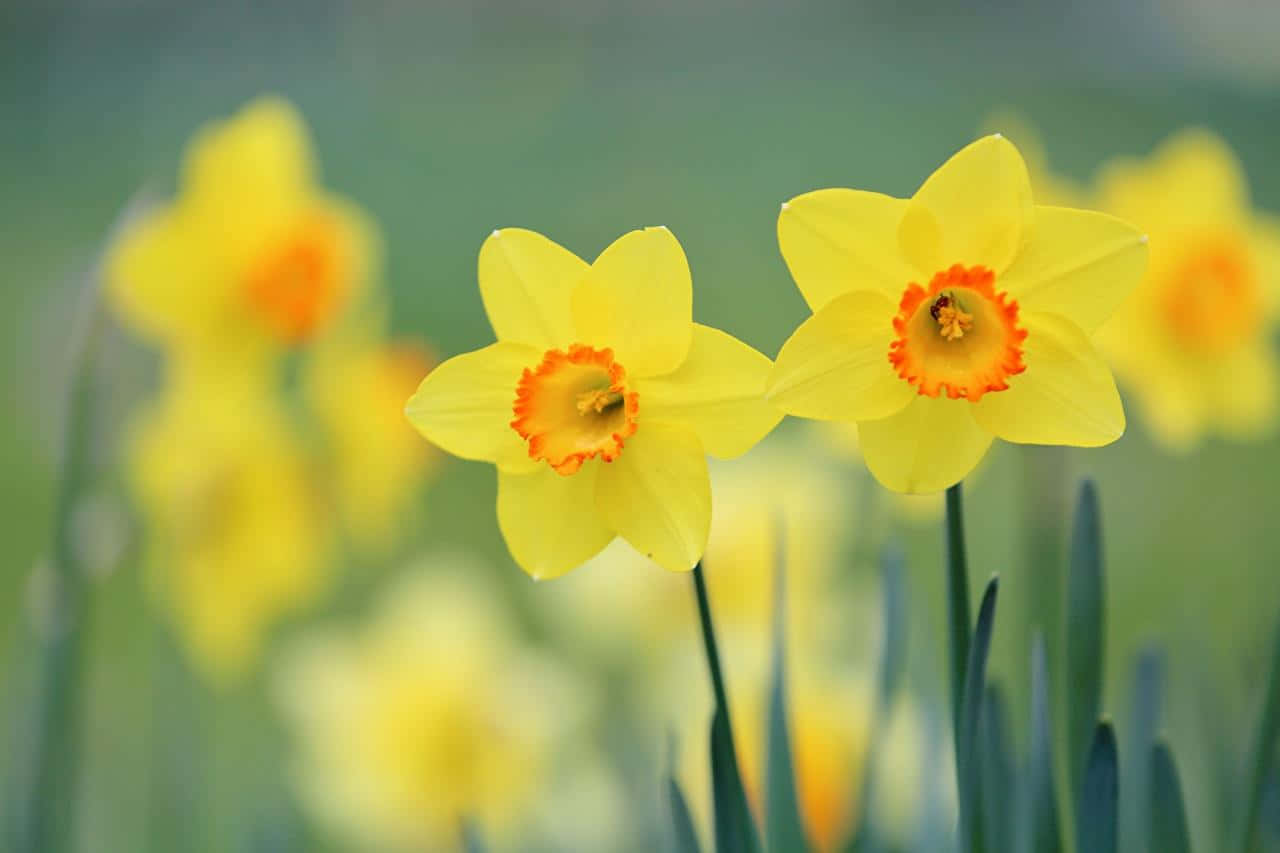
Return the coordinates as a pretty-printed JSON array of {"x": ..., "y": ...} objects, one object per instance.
[
  {"x": 709, "y": 640},
  {"x": 47, "y": 826},
  {"x": 958, "y": 613}
]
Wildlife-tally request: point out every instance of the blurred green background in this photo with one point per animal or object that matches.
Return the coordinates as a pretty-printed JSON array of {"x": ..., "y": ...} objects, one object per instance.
[{"x": 582, "y": 120}]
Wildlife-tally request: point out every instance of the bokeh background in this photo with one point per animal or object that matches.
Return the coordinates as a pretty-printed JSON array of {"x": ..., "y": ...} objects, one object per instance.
[{"x": 583, "y": 120}]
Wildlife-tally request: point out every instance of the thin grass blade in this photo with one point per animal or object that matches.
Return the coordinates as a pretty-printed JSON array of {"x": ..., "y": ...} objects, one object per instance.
[
  {"x": 684, "y": 838},
  {"x": 1168, "y": 814},
  {"x": 998, "y": 790},
  {"x": 1042, "y": 833},
  {"x": 968, "y": 759},
  {"x": 1097, "y": 813},
  {"x": 735, "y": 829},
  {"x": 958, "y": 609},
  {"x": 1135, "y": 752},
  {"x": 1086, "y": 632},
  {"x": 1263, "y": 754},
  {"x": 783, "y": 830}
]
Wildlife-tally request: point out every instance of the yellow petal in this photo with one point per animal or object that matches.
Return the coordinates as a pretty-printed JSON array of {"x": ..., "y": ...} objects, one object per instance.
[
  {"x": 251, "y": 170},
  {"x": 550, "y": 521},
  {"x": 1079, "y": 264},
  {"x": 465, "y": 405},
  {"x": 1065, "y": 396},
  {"x": 637, "y": 300},
  {"x": 657, "y": 495},
  {"x": 839, "y": 240},
  {"x": 981, "y": 202},
  {"x": 930, "y": 445},
  {"x": 836, "y": 365},
  {"x": 526, "y": 282},
  {"x": 718, "y": 393}
]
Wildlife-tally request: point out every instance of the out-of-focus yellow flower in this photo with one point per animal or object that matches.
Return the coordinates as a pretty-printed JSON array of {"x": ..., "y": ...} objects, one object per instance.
[
  {"x": 252, "y": 256},
  {"x": 996, "y": 343},
  {"x": 617, "y": 607},
  {"x": 1193, "y": 343},
  {"x": 431, "y": 715},
  {"x": 599, "y": 402},
  {"x": 356, "y": 385},
  {"x": 236, "y": 535}
]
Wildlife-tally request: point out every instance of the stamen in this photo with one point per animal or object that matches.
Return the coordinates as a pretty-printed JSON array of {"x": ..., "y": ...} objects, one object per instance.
[
  {"x": 953, "y": 321},
  {"x": 598, "y": 400}
]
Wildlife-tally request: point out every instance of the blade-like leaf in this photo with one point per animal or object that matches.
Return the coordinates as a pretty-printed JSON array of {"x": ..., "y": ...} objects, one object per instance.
[
  {"x": 1168, "y": 815},
  {"x": 1263, "y": 754},
  {"x": 1086, "y": 629},
  {"x": 893, "y": 651},
  {"x": 783, "y": 831},
  {"x": 472, "y": 840},
  {"x": 968, "y": 764},
  {"x": 997, "y": 771},
  {"x": 1097, "y": 812},
  {"x": 684, "y": 838},
  {"x": 1042, "y": 832},
  {"x": 1135, "y": 752},
  {"x": 735, "y": 830},
  {"x": 957, "y": 603}
]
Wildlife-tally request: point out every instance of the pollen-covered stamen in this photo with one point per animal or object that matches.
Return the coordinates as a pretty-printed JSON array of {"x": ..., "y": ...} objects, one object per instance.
[
  {"x": 953, "y": 322},
  {"x": 957, "y": 336},
  {"x": 575, "y": 405}
]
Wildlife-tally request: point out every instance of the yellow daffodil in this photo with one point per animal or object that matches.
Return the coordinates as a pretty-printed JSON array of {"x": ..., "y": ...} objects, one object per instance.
[
  {"x": 599, "y": 401},
  {"x": 252, "y": 256},
  {"x": 1048, "y": 186},
  {"x": 236, "y": 534},
  {"x": 1193, "y": 343},
  {"x": 356, "y": 385},
  {"x": 956, "y": 316},
  {"x": 431, "y": 715}
]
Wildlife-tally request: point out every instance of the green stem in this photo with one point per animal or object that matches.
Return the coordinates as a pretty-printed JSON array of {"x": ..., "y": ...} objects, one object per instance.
[
  {"x": 959, "y": 619},
  {"x": 709, "y": 641},
  {"x": 47, "y": 824}
]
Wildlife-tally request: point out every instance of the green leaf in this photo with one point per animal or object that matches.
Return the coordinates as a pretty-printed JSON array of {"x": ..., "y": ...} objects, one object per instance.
[
  {"x": 968, "y": 759},
  {"x": 1264, "y": 750},
  {"x": 893, "y": 660},
  {"x": 1097, "y": 812},
  {"x": 784, "y": 832},
  {"x": 1135, "y": 753},
  {"x": 1167, "y": 814},
  {"x": 1086, "y": 631},
  {"x": 684, "y": 838},
  {"x": 735, "y": 830},
  {"x": 1043, "y": 832},
  {"x": 997, "y": 771},
  {"x": 957, "y": 602}
]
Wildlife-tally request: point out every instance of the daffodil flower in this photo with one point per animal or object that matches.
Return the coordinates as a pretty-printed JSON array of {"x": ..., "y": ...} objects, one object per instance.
[
  {"x": 956, "y": 316},
  {"x": 252, "y": 256},
  {"x": 1193, "y": 344},
  {"x": 599, "y": 402}
]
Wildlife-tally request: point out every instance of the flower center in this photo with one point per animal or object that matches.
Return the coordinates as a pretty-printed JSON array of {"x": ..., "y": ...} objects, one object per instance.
[
  {"x": 574, "y": 406},
  {"x": 957, "y": 335},
  {"x": 297, "y": 284},
  {"x": 1213, "y": 300}
]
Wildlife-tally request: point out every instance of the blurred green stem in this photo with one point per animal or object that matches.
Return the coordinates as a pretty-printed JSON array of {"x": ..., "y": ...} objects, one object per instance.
[
  {"x": 957, "y": 603},
  {"x": 47, "y": 818}
]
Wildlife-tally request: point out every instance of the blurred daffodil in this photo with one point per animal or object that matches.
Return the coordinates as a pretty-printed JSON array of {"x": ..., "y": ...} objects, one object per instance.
[
  {"x": 1193, "y": 344},
  {"x": 432, "y": 715},
  {"x": 356, "y": 385},
  {"x": 253, "y": 255},
  {"x": 599, "y": 402},
  {"x": 237, "y": 538},
  {"x": 994, "y": 343}
]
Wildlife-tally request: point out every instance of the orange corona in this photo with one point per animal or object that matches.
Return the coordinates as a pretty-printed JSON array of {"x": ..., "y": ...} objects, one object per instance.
[
  {"x": 574, "y": 406},
  {"x": 297, "y": 284},
  {"x": 958, "y": 335}
]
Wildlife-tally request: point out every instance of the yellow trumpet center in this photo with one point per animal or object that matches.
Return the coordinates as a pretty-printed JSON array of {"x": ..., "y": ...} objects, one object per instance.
[
  {"x": 1212, "y": 297},
  {"x": 575, "y": 405}
]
